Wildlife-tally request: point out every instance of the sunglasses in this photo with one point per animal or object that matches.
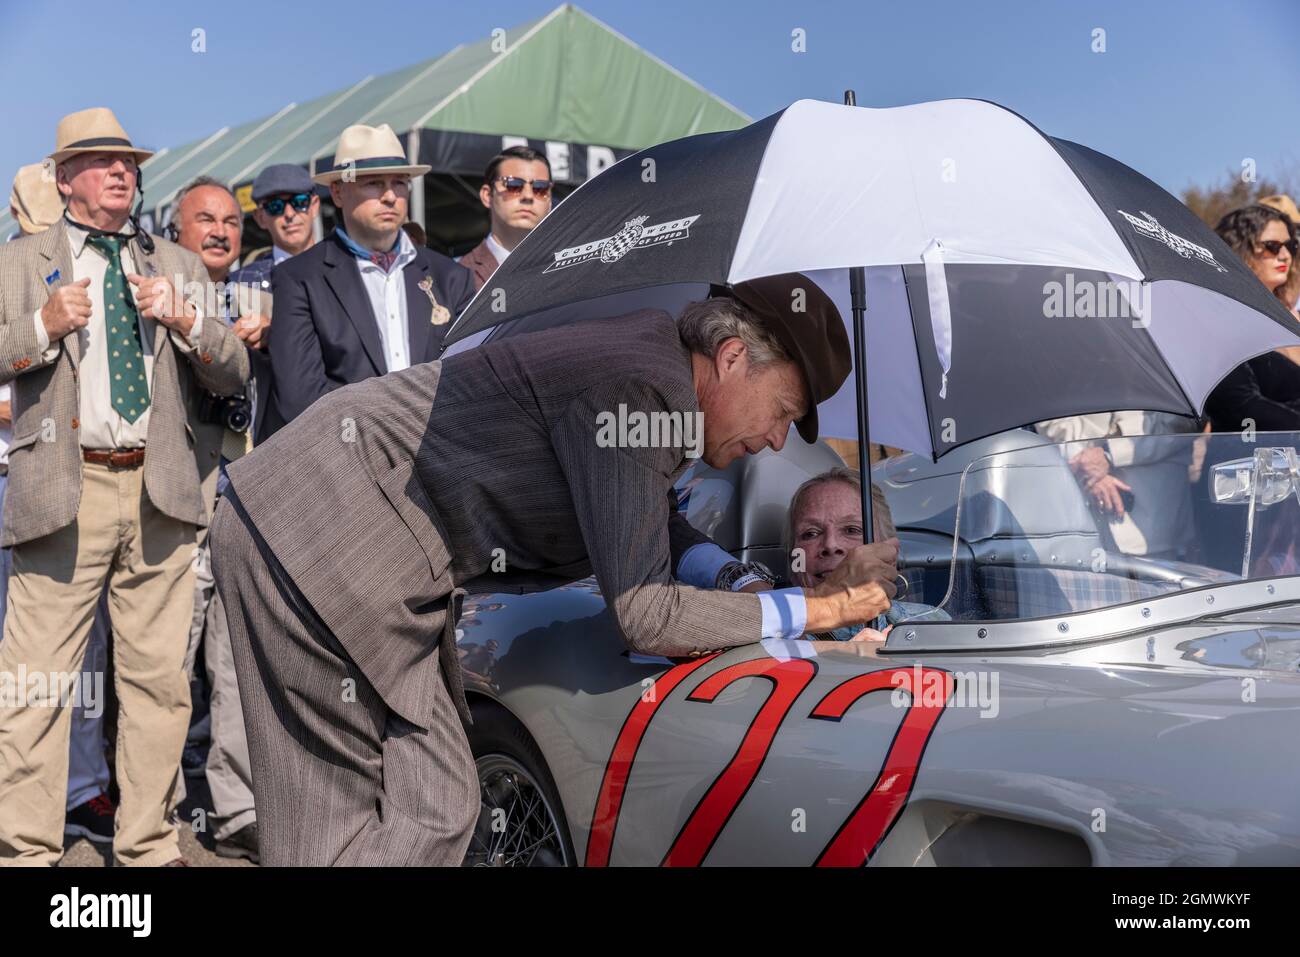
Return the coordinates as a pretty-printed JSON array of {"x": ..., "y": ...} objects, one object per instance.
[
  {"x": 275, "y": 205},
  {"x": 514, "y": 185},
  {"x": 1275, "y": 246}
]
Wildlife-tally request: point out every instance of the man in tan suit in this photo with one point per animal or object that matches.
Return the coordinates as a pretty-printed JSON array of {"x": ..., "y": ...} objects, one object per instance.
[
  {"x": 36, "y": 204},
  {"x": 106, "y": 356}
]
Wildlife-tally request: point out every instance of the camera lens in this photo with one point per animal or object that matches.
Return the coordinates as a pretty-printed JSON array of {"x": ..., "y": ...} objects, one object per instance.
[{"x": 237, "y": 417}]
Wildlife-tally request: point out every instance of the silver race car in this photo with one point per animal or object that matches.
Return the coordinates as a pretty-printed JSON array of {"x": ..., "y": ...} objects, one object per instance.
[{"x": 1084, "y": 701}]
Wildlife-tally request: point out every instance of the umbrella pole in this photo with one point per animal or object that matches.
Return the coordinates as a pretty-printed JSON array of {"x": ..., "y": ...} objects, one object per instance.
[{"x": 858, "y": 294}]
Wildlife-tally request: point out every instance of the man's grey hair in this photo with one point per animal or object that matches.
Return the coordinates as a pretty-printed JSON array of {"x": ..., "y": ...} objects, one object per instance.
[
  {"x": 706, "y": 324},
  {"x": 197, "y": 182},
  {"x": 884, "y": 519}
]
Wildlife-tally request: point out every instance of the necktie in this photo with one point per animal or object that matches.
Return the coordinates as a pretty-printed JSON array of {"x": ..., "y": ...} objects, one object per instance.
[
  {"x": 128, "y": 387},
  {"x": 384, "y": 260}
]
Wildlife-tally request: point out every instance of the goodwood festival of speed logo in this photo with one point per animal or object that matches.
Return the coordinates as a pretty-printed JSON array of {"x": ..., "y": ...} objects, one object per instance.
[
  {"x": 1151, "y": 228},
  {"x": 635, "y": 234}
]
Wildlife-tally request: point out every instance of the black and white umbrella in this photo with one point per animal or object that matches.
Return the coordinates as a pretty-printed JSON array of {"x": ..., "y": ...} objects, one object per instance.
[{"x": 1010, "y": 276}]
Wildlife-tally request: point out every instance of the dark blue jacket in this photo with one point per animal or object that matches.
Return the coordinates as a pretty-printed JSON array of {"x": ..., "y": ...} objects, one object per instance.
[
  {"x": 259, "y": 272},
  {"x": 324, "y": 333}
]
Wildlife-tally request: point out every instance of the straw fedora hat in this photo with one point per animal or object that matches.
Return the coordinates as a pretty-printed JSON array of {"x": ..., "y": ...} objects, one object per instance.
[
  {"x": 364, "y": 150},
  {"x": 35, "y": 199},
  {"x": 1284, "y": 204},
  {"x": 93, "y": 131}
]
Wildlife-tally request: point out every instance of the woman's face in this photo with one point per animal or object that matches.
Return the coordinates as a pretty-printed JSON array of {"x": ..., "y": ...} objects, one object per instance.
[
  {"x": 827, "y": 525},
  {"x": 1271, "y": 268}
]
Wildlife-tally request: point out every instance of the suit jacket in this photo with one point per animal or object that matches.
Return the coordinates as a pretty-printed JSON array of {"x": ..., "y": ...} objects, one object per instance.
[
  {"x": 481, "y": 263},
  {"x": 325, "y": 333},
  {"x": 44, "y": 490},
  {"x": 386, "y": 495},
  {"x": 258, "y": 273}
]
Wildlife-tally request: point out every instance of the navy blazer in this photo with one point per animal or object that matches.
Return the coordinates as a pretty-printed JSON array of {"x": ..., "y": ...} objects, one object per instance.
[
  {"x": 325, "y": 335},
  {"x": 255, "y": 273}
]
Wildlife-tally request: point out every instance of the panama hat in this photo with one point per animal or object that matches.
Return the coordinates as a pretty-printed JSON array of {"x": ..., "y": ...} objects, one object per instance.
[
  {"x": 93, "y": 131},
  {"x": 35, "y": 199},
  {"x": 1284, "y": 204},
  {"x": 364, "y": 150}
]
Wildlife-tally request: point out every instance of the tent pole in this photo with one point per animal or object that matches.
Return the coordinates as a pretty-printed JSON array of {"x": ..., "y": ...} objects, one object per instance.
[
  {"x": 415, "y": 207},
  {"x": 858, "y": 296}
]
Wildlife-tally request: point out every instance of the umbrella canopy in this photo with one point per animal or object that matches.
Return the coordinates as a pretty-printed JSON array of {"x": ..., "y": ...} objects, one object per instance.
[{"x": 1010, "y": 276}]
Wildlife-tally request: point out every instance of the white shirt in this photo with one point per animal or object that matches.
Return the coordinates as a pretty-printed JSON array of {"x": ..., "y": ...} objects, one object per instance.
[
  {"x": 497, "y": 250},
  {"x": 278, "y": 255},
  {"x": 100, "y": 426},
  {"x": 387, "y": 292}
]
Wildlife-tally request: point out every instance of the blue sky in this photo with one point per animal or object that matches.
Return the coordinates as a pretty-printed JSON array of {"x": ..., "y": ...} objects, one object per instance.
[{"x": 1185, "y": 90}]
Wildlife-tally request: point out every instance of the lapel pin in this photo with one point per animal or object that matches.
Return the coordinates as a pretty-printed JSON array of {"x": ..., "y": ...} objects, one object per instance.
[
  {"x": 52, "y": 278},
  {"x": 441, "y": 314}
]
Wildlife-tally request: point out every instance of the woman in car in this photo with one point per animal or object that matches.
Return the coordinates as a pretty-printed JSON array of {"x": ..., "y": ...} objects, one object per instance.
[{"x": 824, "y": 524}]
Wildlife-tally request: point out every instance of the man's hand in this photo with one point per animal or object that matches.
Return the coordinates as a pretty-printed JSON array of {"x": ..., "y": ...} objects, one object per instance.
[
  {"x": 157, "y": 298},
  {"x": 861, "y": 587},
  {"x": 1090, "y": 464},
  {"x": 1106, "y": 492},
  {"x": 252, "y": 330},
  {"x": 67, "y": 311}
]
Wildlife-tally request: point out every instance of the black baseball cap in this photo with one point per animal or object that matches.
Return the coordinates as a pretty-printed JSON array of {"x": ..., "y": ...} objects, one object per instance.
[{"x": 814, "y": 337}]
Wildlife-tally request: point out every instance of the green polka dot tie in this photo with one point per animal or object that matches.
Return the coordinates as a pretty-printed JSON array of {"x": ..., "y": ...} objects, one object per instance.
[{"x": 129, "y": 389}]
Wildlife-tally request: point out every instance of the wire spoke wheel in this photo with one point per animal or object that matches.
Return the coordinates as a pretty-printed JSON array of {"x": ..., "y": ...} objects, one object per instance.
[{"x": 517, "y": 826}]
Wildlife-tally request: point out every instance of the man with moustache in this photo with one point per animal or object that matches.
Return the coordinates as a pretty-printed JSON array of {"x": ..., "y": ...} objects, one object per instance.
[
  {"x": 209, "y": 223},
  {"x": 517, "y": 193},
  {"x": 366, "y": 301},
  {"x": 108, "y": 359}
]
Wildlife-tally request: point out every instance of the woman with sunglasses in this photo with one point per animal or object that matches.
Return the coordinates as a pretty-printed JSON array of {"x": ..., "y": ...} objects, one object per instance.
[
  {"x": 1264, "y": 392},
  {"x": 1260, "y": 395}
]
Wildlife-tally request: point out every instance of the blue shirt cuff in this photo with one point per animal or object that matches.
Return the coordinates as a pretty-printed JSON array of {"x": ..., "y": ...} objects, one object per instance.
[
  {"x": 785, "y": 612},
  {"x": 701, "y": 563}
]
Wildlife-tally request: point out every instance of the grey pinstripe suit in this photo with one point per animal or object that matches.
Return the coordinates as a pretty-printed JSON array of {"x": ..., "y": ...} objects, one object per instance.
[{"x": 351, "y": 530}]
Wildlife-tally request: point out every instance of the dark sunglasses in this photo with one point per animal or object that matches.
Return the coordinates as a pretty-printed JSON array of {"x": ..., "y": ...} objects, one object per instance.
[
  {"x": 275, "y": 205},
  {"x": 513, "y": 185},
  {"x": 1275, "y": 246}
]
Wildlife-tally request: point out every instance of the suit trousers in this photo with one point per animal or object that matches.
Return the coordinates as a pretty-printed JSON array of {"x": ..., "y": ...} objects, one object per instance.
[
  {"x": 229, "y": 775},
  {"x": 87, "y": 765},
  {"x": 121, "y": 539},
  {"x": 338, "y": 778}
]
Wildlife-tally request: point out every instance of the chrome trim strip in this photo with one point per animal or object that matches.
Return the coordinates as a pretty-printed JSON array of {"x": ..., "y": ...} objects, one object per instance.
[{"x": 1161, "y": 611}]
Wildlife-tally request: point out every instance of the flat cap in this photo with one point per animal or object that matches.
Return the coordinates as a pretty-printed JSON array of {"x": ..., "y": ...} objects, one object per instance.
[
  {"x": 282, "y": 178},
  {"x": 805, "y": 321}
]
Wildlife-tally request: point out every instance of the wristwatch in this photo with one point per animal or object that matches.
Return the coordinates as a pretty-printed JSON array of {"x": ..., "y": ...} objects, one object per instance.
[{"x": 737, "y": 575}]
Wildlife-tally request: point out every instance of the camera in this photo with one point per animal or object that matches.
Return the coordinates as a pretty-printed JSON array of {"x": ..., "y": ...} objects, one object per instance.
[{"x": 235, "y": 412}]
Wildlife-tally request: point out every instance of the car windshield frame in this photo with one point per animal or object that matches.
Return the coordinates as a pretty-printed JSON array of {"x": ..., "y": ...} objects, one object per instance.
[{"x": 1260, "y": 487}]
